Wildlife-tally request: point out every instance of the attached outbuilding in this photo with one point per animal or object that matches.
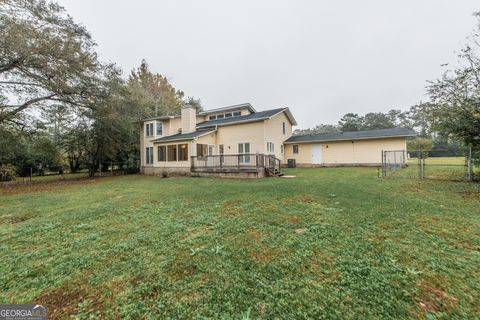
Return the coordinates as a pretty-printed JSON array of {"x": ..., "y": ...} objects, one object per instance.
[{"x": 355, "y": 148}]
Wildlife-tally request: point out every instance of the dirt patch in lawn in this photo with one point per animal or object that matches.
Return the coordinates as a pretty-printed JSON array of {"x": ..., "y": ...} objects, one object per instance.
[
  {"x": 263, "y": 255},
  {"x": 14, "y": 219},
  {"x": 231, "y": 208},
  {"x": 255, "y": 234},
  {"x": 63, "y": 301},
  {"x": 432, "y": 298},
  {"x": 182, "y": 266},
  {"x": 470, "y": 194}
]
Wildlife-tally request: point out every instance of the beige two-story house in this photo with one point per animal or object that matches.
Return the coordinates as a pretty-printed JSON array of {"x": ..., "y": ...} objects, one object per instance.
[
  {"x": 234, "y": 138},
  {"x": 240, "y": 141}
]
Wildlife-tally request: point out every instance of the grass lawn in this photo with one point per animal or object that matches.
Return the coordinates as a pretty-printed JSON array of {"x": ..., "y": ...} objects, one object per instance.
[{"x": 334, "y": 243}]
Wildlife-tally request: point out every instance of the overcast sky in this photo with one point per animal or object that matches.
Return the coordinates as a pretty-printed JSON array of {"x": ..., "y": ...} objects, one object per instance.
[{"x": 320, "y": 58}]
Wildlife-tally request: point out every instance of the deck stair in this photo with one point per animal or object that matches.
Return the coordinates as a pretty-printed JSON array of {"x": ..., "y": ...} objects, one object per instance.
[{"x": 273, "y": 172}]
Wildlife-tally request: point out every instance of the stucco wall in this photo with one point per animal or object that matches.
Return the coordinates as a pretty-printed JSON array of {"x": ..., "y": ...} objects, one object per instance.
[{"x": 347, "y": 152}]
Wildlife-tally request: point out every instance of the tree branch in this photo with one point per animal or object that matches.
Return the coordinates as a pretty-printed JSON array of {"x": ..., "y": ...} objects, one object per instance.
[
  {"x": 9, "y": 66},
  {"x": 20, "y": 83},
  {"x": 7, "y": 115}
]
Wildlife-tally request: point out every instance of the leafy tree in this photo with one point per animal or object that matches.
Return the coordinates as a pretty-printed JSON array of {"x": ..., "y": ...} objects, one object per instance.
[
  {"x": 374, "y": 120},
  {"x": 420, "y": 119},
  {"x": 321, "y": 128},
  {"x": 197, "y": 103},
  {"x": 44, "y": 57},
  {"x": 152, "y": 93},
  {"x": 455, "y": 110},
  {"x": 378, "y": 120},
  {"x": 351, "y": 122},
  {"x": 423, "y": 144}
]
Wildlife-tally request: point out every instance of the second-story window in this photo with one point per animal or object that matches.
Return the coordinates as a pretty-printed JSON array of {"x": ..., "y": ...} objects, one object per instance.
[
  {"x": 270, "y": 147},
  {"x": 159, "y": 129},
  {"x": 149, "y": 129},
  {"x": 283, "y": 127}
]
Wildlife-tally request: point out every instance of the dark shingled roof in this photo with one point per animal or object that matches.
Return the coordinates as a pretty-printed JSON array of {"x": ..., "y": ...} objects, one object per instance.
[
  {"x": 184, "y": 136},
  {"x": 353, "y": 135},
  {"x": 261, "y": 115}
]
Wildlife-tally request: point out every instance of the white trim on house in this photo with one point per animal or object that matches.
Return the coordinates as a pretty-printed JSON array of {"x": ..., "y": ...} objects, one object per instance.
[{"x": 346, "y": 139}]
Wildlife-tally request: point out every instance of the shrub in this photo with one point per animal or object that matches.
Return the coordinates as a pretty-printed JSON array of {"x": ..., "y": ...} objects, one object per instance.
[
  {"x": 164, "y": 174},
  {"x": 7, "y": 173}
]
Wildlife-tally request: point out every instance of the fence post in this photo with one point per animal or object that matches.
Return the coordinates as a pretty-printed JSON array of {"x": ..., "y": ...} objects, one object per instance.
[
  {"x": 394, "y": 160},
  {"x": 469, "y": 165},
  {"x": 422, "y": 165},
  {"x": 31, "y": 173},
  {"x": 384, "y": 166}
]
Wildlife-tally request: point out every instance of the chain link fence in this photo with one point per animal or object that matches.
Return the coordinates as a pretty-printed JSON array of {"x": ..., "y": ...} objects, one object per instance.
[
  {"x": 39, "y": 173},
  {"x": 451, "y": 165}
]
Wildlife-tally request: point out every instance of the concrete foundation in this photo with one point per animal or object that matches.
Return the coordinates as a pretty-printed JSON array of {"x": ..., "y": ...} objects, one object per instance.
[
  {"x": 171, "y": 171},
  {"x": 332, "y": 165}
]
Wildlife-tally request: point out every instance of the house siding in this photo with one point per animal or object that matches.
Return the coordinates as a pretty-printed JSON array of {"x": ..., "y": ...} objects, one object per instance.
[
  {"x": 351, "y": 152},
  {"x": 231, "y": 136},
  {"x": 274, "y": 133}
]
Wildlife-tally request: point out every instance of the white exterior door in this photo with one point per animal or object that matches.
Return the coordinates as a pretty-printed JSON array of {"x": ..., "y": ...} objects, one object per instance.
[{"x": 317, "y": 154}]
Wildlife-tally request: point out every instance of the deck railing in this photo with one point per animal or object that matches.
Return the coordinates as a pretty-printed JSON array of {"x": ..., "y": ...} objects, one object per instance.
[{"x": 235, "y": 161}]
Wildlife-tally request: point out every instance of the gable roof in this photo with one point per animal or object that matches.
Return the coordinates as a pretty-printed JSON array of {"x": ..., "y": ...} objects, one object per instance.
[
  {"x": 184, "y": 136},
  {"x": 352, "y": 135},
  {"x": 257, "y": 116},
  {"x": 247, "y": 106}
]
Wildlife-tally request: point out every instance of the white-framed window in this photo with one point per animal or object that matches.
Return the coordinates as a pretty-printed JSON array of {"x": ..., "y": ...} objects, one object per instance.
[
  {"x": 284, "y": 127},
  {"x": 270, "y": 147},
  {"x": 149, "y": 155},
  {"x": 149, "y": 129},
  {"x": 295, "y": 148},
  {"x": 159, "y": 129},
  {"x": 244, "y": 148},
  {"x": 224, "y": 115},
  {"x": 281, "y": 149}
]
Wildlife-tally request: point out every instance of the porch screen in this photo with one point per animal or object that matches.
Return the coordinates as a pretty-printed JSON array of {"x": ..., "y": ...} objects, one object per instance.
[
  {"x": 183, "y": 152},
  {"x": 162, "y": 153},
  {"x": 172, "y": 152}
]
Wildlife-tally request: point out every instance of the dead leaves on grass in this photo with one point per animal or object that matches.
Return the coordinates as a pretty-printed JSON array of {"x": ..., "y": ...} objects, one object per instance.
[
  {"x": 66, "y": 300},
  {"x": 433, "y": 298}
]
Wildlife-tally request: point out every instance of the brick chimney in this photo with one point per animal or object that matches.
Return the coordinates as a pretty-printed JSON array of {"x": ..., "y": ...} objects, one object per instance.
[{"x": 189, "y": 118}]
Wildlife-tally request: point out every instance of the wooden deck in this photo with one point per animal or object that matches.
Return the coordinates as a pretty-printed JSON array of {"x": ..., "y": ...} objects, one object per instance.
[{"x": 242, "y": 165}]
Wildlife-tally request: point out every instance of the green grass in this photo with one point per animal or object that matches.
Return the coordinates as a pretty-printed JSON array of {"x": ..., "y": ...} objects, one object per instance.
[
  {"x": 47, "y": 178},
  {"x": 458, "y": 161},
  {"x": 334, "y": 243}
]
